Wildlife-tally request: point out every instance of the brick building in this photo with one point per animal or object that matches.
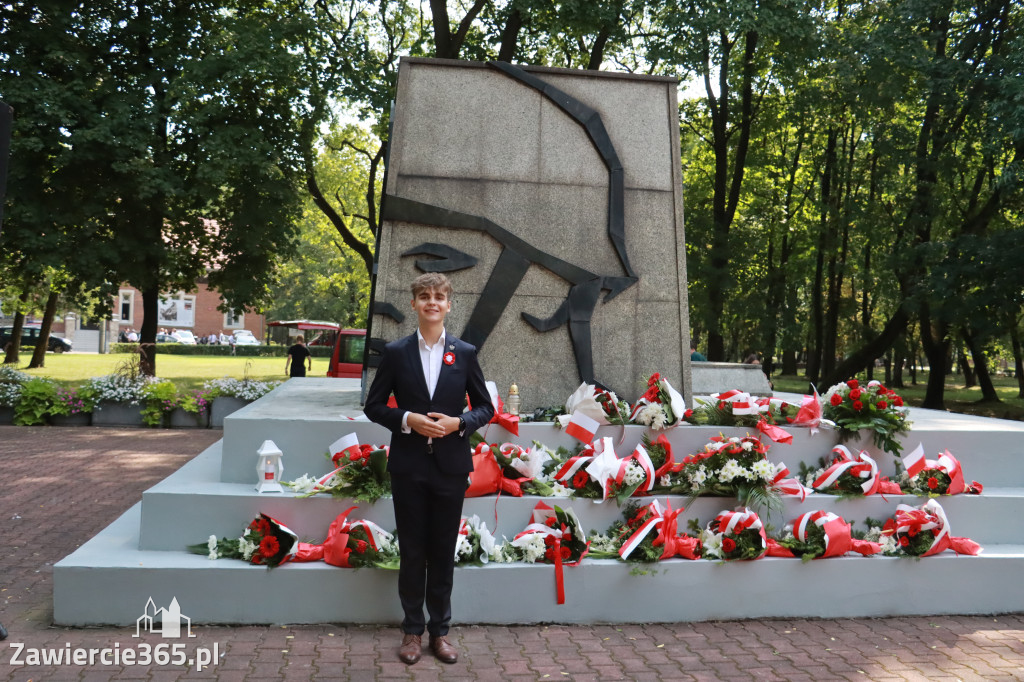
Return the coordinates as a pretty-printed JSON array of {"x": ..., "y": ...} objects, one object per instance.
[{"x": 196, "y": 311}]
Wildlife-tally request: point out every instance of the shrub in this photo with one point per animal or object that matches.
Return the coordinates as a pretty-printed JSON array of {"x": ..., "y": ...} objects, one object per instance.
[
  {"x": 38, "y": 399},
  {"x": 161, "y": 397}
]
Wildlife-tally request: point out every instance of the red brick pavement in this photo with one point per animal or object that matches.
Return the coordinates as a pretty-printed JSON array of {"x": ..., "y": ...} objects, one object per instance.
[{"x": 62, "y": 485}]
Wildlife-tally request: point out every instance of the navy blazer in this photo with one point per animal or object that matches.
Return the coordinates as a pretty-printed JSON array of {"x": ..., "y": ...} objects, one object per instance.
[{"x": 401, "y": 372}]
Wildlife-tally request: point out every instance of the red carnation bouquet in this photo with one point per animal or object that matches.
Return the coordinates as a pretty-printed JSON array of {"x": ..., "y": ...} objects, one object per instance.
[
  {"x": 734, "y": 536},
  {"x": 942, "y": 476},
  {"x": 264, "y": 542},
  {"x": 268, "y": 542},
  {"x": 852, "y": 408},
  {"x": 924, "y": 531}
]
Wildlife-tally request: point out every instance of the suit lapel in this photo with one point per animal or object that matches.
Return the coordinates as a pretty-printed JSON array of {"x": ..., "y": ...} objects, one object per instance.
[{"x": 416, "y": 365}]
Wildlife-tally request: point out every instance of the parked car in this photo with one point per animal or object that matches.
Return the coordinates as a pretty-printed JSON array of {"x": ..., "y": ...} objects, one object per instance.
[
  {"x": 244, "y": 337},
  {"x": 184, "y": 336},
  {"x": 347, "y": 358},
  {"x": 166, "y": 338},
  {"x": 30, "y": 335}
]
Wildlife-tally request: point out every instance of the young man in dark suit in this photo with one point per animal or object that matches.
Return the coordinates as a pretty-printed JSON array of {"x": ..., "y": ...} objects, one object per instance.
[{"x": 430, "y": 374}]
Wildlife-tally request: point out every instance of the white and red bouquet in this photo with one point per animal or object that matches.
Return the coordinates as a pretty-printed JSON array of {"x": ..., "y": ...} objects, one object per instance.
[
  {"x": 650, "y": 533},
  {"x": 942, "y": 476},
  {"x": 924, "y": 531},
  {"x": 360, "y": 473},
  {"x": 599, "y": 404},
  {"x": 820, "y": 535},
  {"x": 555, "y": 536},
  {"x": 264, "y": 542},
  {"x": 727, "y": 467},
  {"x": 572, "y": 472},
  {"x": 476, "y": 544},
  {"x": 660, "y": 407},
  {"x": 734, "y": 536},
  {"x": 873, "y": 407},
  {"x": 738, "y": 408},
  {"x": 853, "y": 475}
]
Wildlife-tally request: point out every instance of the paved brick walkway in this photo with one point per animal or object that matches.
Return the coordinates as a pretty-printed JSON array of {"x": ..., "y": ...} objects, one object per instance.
[{"x": 59, "y": 486}]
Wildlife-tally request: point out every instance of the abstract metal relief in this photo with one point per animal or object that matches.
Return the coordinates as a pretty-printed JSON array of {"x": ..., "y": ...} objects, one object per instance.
[{"x": 518, "y": 255}]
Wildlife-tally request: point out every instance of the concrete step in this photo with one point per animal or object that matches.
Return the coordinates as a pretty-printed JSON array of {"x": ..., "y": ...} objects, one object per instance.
[
  {"x": 304, "y": 416},
  {"x": 108, "y": 581},
  {"x": 191, "y": 504}
]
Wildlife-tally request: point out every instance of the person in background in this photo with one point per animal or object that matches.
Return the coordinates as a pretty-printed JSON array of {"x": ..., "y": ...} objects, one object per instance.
[
  {"x": 430, "y": 374},
  {"x": 299, "y": 358},
  {"x": 695, "y": 356}
]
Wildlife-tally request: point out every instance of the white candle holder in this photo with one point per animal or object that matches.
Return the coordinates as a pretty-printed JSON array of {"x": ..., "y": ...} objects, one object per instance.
[{"x": 269, "y": 468}]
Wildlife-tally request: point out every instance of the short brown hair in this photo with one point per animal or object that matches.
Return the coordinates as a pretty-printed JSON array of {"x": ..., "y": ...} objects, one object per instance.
[{"x": 432, "y": 280}]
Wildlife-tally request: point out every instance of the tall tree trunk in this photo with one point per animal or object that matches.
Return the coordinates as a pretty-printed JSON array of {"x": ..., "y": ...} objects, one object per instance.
[
  {"x": 1018, "y": 359},
  {"x": 936, "y": 349},
  {"x": 965, "y": 367},
  {"x": 39, "y": 354},
  {"x": 147, "y": 335},
  {"x": 13, "y": 347},
  {"x": 865, "y": 313},
  {"x": 727, "y": 181},
  {"x": 988, "y": 391}
]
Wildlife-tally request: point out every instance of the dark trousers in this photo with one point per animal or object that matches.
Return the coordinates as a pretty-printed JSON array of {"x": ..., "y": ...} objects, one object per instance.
[{"x": 428, "y": 510}]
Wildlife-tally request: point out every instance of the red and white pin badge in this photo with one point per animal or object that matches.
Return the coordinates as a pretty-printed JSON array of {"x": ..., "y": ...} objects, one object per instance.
[{"x": 449, "y": 358}]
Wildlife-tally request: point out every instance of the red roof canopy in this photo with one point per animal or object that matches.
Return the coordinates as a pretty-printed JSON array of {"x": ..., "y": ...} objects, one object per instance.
[{"x": 305, "y": 324}]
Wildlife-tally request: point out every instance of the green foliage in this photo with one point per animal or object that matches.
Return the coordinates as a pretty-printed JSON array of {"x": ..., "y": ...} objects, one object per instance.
[
  {"x": 160, "y": 398},
  {"x": 37, "y": 401}
]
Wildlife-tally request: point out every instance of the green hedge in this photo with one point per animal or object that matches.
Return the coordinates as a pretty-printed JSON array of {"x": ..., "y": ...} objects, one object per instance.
[{"x": 241, "y": 351}]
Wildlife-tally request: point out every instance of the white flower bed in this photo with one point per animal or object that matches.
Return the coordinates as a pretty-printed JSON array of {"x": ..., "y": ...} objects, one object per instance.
[{"x": 244, "y": 389}]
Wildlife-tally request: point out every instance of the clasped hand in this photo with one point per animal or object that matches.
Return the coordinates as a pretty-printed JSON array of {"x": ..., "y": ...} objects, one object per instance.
[{"x": 433, "y": 424}]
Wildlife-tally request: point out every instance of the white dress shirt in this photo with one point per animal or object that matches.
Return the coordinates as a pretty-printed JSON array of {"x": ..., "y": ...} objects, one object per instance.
[{"x": 430, "y": 360}]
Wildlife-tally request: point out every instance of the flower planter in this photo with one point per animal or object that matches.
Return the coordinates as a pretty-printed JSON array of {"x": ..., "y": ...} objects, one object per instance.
[
  {"x": 222, "y": 407},
  {"x": 117, "y": 414},
  {"x": 180, "y": 419},
  {"x": 79, "y": 419},
  {"x": 6, "y": 415}
]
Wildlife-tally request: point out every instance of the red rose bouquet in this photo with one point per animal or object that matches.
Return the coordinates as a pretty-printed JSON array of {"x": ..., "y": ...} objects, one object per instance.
[
  {"x": 853, "y": 475},
  {"x": 819, "y": 535},
  {"x": 573, "y": 472},
  {"x": 852, "y": 408},
  {"x": 943, "y": 476},
  {"x": 734, "y": 536},
  {"x": 924, "y": 531},
  {"x": 730, "y": 467}
]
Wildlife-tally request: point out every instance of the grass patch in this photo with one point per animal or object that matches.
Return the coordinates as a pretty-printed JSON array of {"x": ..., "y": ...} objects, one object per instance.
[
  {"x": 186, "y": 371},
  {"x": 958, "y": 397}
]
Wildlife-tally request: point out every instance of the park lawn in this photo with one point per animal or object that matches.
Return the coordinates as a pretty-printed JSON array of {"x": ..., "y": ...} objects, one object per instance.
[
  {"x": 957, "y": 396},
  {"x": 186, "y": 371}
]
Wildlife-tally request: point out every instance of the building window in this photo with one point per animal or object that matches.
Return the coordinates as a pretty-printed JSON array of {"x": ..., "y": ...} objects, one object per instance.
[
  {"x": 126, "y": 300},
  {"x": 234, "y": 319}
]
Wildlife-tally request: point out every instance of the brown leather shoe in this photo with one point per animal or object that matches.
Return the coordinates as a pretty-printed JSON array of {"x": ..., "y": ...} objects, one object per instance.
[
  {"x": 410, "y": 650},
  {"x": 443, "y": 649}
]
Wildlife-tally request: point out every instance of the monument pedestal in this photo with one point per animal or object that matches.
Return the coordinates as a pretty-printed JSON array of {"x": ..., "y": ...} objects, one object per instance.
[{"x": 142, "y": 554}]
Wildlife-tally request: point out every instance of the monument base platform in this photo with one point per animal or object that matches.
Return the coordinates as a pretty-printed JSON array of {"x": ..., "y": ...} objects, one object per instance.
[{"x": 142, "y": 554}]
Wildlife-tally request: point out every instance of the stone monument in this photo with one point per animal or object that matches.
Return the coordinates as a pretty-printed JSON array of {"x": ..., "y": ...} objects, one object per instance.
[{"x": 552, "y": 198}]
